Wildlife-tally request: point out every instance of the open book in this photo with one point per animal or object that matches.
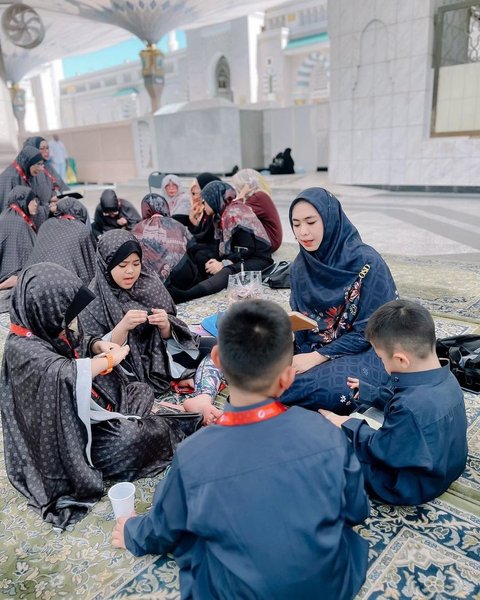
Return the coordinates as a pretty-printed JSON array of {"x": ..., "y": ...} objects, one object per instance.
[
  {"x": 300, "y": 322},
  {"x": 372, "y": 416}
]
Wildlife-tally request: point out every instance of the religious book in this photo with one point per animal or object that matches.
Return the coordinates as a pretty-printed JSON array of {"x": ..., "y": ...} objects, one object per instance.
[{"x": 301, "y": 322}]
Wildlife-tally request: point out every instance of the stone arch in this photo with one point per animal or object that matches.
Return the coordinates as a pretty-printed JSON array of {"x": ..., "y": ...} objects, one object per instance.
[
  {"x": 223, "y": 87},
  {"x": 304, "y": 73}
]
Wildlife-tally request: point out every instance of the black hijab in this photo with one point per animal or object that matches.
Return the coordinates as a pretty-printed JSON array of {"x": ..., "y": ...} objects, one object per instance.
[{"x": 148, "y": 358}]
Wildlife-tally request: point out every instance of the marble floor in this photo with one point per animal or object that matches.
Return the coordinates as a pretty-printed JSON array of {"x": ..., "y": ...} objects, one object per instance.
[{"x": 445, "y": 226}]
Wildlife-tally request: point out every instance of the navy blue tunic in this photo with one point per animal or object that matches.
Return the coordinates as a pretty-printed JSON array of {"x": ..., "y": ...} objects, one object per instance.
[
  {"x": 421, "y": 447},
  {"x": 261, "y": 511},
  {"x": 339, "y": 285}
]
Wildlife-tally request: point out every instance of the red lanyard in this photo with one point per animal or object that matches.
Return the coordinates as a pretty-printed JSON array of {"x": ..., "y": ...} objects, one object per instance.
[
  {"x": 21, "y": 172},
  {"x": 24, "y": 332},
  {"x": 19, "y": 330},
  {"x": 253, "y": 415},
  {"x": 55, "y": 185},
  {"x": 67, "y": 217},
  {"x": 25, "y": 217}
]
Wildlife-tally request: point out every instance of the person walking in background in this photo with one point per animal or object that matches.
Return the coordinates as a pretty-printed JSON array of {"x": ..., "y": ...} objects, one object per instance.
[{"x": 59, "y": 156}]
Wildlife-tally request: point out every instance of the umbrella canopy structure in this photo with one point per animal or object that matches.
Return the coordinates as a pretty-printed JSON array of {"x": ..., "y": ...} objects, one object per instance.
[
  {"x": 63, "y": 36},
  {"x": 149, "y": 20},
  {"x": 68, "y": 27}
]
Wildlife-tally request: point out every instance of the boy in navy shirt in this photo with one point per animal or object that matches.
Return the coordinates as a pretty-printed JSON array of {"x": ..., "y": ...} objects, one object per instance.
[
  {"x": 262, "y": 503},
  {"x": 421, "y": 448}
]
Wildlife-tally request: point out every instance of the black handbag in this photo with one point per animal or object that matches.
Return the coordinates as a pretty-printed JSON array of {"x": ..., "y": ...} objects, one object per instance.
[
  {"x": 277, "y": 276},
  {"x": 463, "y": 353}
]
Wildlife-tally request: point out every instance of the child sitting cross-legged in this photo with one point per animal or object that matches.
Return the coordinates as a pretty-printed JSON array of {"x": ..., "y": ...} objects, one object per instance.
[
  {"x": 262, "y": 503},
  {"x": 421, "y": 448}
]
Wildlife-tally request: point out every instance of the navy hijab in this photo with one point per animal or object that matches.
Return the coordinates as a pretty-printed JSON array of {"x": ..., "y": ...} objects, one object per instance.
[{"x": 325, "y": 283}]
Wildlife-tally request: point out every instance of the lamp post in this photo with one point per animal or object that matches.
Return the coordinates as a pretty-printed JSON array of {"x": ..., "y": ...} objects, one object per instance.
[{"x": 153, "y": 73}]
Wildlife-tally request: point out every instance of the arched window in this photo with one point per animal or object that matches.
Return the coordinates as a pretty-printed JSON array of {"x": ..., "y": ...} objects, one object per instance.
[{"x": 222, "y": 79}]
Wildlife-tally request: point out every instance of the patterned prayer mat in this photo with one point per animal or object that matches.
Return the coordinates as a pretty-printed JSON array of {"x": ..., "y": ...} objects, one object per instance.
[{"x": 430, "y": 551}]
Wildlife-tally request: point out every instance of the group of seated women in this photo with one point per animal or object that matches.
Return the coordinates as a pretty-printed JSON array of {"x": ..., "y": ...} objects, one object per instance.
[{"x": 94, "y": 331}]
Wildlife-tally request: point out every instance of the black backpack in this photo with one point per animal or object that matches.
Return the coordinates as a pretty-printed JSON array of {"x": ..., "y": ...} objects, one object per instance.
[{"x": 463, "y": 352}]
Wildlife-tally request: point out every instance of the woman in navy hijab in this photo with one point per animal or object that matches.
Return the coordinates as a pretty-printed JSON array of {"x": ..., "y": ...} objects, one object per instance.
[{"x": 339, "y": 281}]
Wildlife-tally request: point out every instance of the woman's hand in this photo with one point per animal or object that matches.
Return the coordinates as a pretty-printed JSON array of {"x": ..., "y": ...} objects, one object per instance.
[
  {"x": 119, "y": 353},
  {"x": 101, "y": 346},
  {"x": 122, "y": 222},
  {"x": 308, "y": 360},
  {"x": 333, "y": 418},
  {"x": 160, "y": 319},
  {"x": 213, "y": 266}
]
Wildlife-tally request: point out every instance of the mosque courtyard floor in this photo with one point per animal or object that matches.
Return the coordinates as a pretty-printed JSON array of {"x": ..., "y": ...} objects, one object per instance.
[{"x": 432, "y": 245}]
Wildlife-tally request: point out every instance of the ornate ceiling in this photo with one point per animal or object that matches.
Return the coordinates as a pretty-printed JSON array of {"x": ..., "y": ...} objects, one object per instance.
[{"x": 74, "y": 26}]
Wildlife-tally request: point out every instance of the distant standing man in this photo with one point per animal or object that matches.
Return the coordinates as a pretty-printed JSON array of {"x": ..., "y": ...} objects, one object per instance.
[{"x": 59, "y": 156}]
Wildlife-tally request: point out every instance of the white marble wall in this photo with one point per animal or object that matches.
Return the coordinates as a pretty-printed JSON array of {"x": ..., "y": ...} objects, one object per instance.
[
  {"x": 303, "y": 128},
  {"x": 381, "y": 97}
]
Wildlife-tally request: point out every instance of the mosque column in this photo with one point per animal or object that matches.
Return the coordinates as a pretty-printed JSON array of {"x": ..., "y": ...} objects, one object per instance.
[
  {"x": 8, "y": 134},
  {"x": 172, "y": 41},
  {"x": 153, "y": 73}
]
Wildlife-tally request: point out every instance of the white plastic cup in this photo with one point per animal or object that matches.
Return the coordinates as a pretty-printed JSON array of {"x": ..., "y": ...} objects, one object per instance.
[{"x": 122, "y": 497}]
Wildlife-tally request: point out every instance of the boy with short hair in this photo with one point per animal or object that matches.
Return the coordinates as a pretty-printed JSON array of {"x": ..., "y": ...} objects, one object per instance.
[
  {"x": 421, "y": 448},
  {"x": 261, "y": 504}
]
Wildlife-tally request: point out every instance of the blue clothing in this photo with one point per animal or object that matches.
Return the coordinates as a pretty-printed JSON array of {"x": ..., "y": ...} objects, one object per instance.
[
  {"x": 262, "y": 510},
  {"x": 339, "y": 285},
  {"x": 421, "y": 447}
]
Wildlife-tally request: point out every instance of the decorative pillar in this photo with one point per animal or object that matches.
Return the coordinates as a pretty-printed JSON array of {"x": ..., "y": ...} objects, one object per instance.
[
  {"x": 153, "y": 73},
  {"x": 172, "y": 41},
  {"x": 17, "y": 95}
]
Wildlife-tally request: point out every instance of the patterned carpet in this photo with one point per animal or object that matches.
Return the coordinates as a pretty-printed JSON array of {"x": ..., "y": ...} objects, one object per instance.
[{"x": 430, "y": 551}]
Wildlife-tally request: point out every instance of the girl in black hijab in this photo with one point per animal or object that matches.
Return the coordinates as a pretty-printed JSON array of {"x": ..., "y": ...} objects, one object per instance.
[
  {"x": 132, "y": 306},
  {"x": 70, "y": 421}
]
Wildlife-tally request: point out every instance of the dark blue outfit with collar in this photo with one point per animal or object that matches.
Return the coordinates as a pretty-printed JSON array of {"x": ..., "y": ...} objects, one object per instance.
[
  {"x": 333, "y": 286},
  {"x": 263, "y": 510},
  {"x": 421, "y": 447}
]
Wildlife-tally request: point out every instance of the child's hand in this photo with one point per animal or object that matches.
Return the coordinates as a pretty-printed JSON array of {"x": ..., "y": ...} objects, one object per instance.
[
  {"x": 118, "y": 538},
  {"x": 160, "y": 319},
  {"x": 333, "y": 418},
  {"x": 133, "y": 318},
  {"x": 203, "y": 404},
  {"x": 354, "y": 384}
]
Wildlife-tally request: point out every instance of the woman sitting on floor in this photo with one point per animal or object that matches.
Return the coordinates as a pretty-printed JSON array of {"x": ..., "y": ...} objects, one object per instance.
[
  {"x": 47, "y": 183},
  {"x": 242, "y": 241},
  {"x": 66, "y": 240},
  {"x": 178, "y": 199},
  {"x": 338, "y": 281},
  {"x": 26, "y": 166},
  {"x": 70, "y": 421},
  {"x": 164, "y": 243},
  {"x": 204, "y": 245},
  {"x": 17, "y": 238},
  {"x": 113, "y": 213},
  {"x": 132, "y": 306},
  {"x": 253, "y": 189}
]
